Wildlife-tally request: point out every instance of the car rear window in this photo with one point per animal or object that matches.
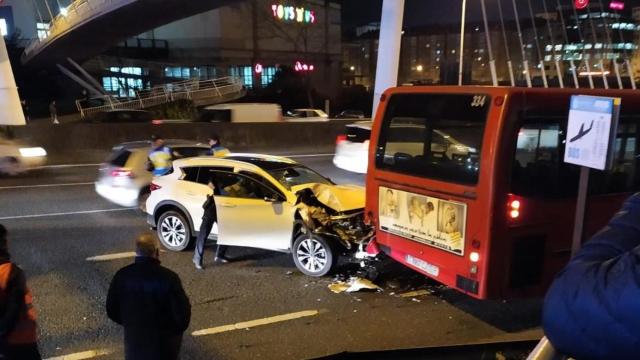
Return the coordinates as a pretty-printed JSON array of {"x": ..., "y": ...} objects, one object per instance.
[
  {"x": 357, "y": 134},
  {"x": 119, "y": 158},
  {"x": 437, "y": 136},
  {"x": 182, "y": 152}
]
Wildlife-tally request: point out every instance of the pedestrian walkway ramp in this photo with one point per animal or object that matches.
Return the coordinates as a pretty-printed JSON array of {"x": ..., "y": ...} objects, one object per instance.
[{"x": 199, "y": 92}]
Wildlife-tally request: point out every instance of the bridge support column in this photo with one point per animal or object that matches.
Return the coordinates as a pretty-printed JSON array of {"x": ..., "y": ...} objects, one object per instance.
[
  {"x": 388, "y": 48},
  {"x": 10, "y": 107}
]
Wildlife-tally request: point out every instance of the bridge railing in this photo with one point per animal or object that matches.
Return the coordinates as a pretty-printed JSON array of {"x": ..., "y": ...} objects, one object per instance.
[
  {"x": 158, "y": 95},
  {"x": 78, "y": 12}
]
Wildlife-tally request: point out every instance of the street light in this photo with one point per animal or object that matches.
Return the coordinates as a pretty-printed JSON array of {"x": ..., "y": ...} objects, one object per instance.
[
  {"x": 419, "y": 68},
  {"x": 352, "y": 68}
]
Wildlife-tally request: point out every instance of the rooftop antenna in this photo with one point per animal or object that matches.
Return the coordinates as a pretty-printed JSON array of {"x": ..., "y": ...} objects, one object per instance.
[
  {"x": 525, "y": 62},
  {"x": 492, "y": 62},
  {"x": 574, "y": 71},
  {"x": 582, "y": 42},
  {"x": 506, "y": 45},
  {"x": 595, "y": 42},
  {"x": 610, "y": 45},
  {"x": 553, "y": 46},
  {"x": 537, "y": 41}
]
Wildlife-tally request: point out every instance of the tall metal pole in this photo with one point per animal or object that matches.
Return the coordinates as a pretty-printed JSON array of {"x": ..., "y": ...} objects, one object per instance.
[
  {"x": 35, "y": 6},
  {"x": 46, "y": 2},
  {"x": 609, "y": 43},
  {"x": 595, "y": 41},
  {"x": 572, "y": 63},
  {"x": 492, "y": 62},
  {"x": 584, "y": 53},
  {"x": 553, "y": 47},
  {"x": 506, "y": 45},
  {"x": 462, "y": 25},
  {"x": 388, "y": 48},
  {"x": 537, "y": 41},
  {"x": 627, "y": 62},
  {"x": 525, "y": 62}
]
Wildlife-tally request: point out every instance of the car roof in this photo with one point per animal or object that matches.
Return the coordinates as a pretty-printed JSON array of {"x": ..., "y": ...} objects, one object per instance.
[
  {"x": 261, "y": 161},
  {"x": 132, "y": 145}
]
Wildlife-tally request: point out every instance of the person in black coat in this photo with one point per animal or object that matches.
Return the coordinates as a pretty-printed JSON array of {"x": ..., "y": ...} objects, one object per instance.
[
  {"x": 209, "y": 217},
  {"x": 148, "y": 300}
]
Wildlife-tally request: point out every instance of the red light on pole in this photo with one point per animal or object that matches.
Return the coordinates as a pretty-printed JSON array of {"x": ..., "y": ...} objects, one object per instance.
[
  {"x": 258, "y": 69},
  {"x": 616, "y": 5},
  {"x": 581, "y": 4}
]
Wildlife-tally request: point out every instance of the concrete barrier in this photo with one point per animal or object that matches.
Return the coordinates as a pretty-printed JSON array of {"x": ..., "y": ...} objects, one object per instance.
[{"x": 90, "y": 143}]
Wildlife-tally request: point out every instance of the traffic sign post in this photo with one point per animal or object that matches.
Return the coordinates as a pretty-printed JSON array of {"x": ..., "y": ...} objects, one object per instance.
[{"x": 591, "y": 132}]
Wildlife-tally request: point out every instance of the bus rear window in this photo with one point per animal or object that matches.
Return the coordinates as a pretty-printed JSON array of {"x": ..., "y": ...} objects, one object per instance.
[{"x": 437, "y": 136}]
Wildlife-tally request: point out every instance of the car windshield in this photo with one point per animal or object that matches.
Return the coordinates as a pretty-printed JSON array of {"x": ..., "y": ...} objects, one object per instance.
[{"x": 297, "y": 175}]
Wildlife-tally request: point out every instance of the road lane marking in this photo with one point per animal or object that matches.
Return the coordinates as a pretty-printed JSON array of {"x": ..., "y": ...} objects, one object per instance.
[
  {"x": 64, "y": 166},
  {"x": 65, "y": 213},
  {"x": 44, "y": 186},
  {"x": 255, "y": 323},
  {"x": 116, "y": 256},
  {"x": 83, "y": 355}
]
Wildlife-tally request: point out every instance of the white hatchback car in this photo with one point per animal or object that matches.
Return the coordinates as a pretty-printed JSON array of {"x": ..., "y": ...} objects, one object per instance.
[
  {"x": 16, "y": 158},
  {"x": 264, "y": 202}
]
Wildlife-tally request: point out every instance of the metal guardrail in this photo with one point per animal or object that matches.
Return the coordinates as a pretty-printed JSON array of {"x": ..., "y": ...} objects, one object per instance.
[
  {"x": 185, "y": 90},
  {"x": 77, "y": 13}
]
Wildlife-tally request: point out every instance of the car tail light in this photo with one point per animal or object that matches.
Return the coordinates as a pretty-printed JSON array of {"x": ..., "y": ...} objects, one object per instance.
[
  {"x": 154, "y": 187},
  {"x": 122, "y": 173},
  {"x": 157, "y": 122},
  {"x": 340, "y": 139},
  {"x": 514, "y": 209}
]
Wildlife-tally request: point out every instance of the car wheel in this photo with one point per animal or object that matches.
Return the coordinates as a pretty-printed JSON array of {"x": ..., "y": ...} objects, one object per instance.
[
  {"x": 142, "y": 199},
  {"x": 173, "y": 231},
  {"x": 9, "y": 166},
  {"x": 313, "y": 255}
]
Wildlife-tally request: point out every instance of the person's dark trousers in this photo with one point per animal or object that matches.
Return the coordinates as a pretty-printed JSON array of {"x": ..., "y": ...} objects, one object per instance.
[
  {"x": 205, "y": 230},
  {"x": 220, "y": 251},
  {"x": 23, "y": 352}
]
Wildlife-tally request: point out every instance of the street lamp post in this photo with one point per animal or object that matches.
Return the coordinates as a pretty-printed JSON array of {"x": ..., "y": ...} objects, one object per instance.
[{"x": 462, "y": 24}]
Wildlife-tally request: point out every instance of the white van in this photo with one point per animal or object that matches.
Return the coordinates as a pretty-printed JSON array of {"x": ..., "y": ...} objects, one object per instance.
[{"x": 242, "y": 112}]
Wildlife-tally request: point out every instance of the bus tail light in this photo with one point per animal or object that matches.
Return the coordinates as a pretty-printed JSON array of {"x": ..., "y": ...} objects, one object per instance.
[
  {"x": 154, "y": 187},
  {"x": 474, "y": 257},
  {"x": 340, "y": 139},
  {"x": 514, "y": 209}
]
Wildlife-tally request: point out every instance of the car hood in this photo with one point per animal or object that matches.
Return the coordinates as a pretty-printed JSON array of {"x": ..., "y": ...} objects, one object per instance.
[{"x": 340, "y": 198}]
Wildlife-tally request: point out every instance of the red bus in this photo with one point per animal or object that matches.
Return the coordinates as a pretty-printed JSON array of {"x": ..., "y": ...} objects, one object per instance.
[{"x": 467, "y": 185}]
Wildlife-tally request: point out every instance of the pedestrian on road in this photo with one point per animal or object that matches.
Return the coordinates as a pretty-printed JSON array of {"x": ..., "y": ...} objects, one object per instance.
[
  {"x": 18, "y": 336},
  {"x": 53, "y": 110},
  {"x": 160, "y": 157},
  {"x": 217, "y": 150},
  {"x": 209, "y": 217},
  {"x": 148, "y": 300}
]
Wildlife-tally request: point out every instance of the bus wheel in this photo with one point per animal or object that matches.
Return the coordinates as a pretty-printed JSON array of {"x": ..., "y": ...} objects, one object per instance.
[{"x": 313, "y": 255}]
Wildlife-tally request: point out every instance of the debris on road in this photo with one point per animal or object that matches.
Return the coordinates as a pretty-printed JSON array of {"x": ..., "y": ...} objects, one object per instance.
[
  {"x": 415, "y": 293},
  {"x": 352, "y": 285},
  {"x": 416, "y": 300}
]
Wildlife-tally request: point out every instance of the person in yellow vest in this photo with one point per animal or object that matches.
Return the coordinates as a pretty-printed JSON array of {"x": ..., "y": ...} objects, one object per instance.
[
  {"x": 160, "y": 157},
  {"x": 18, "y": 334},
  {"x": 217, "y": 150}
]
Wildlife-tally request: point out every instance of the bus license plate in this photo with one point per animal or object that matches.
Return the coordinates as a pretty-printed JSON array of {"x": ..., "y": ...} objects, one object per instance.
[{"x": 423, "y": 265}]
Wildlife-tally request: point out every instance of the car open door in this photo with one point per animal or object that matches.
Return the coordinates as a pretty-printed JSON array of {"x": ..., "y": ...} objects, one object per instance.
[{"x": 251, "y": 214}]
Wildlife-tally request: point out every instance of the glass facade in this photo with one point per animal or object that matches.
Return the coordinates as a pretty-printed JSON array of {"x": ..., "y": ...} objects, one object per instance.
[{"x": 127, "y": 83}]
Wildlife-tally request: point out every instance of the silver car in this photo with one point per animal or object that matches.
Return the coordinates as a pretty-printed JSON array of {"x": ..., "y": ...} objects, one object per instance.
[{"x": 123, "y": 178}]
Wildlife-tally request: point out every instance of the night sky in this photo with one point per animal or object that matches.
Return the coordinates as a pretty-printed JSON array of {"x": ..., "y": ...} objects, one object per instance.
[{"x": 429, "y": 12}]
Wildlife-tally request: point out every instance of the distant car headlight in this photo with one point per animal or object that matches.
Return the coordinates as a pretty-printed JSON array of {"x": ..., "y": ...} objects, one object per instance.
[{"x": 33, "y": 152}]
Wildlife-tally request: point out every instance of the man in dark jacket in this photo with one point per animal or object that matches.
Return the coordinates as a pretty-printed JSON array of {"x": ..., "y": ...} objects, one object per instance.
[
  {"x": 592, "y": 310},
  {"x": 209, "y": 217},
  {"x": 148, "y": 300},
  {"x": 18, "y": 335}
]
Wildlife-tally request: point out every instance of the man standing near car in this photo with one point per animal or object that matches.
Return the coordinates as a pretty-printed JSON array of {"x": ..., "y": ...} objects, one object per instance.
[
  {"x": 148, "y": 300},
  {"x": 159, "y": 156},
  {"x": 217, "y": 150},
  {"x": 209, "y": 217},
  {"x": 18, "y": 336}
]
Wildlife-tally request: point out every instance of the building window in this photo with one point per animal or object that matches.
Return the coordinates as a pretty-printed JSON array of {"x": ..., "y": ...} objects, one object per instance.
[
  {"x": 43, "y": 30},
  {"x": 243, "y": 72},
  {"x": 178, "y": 72},
  {"x": 267, "y": 75},
  {"x": 124, "y": 86}
]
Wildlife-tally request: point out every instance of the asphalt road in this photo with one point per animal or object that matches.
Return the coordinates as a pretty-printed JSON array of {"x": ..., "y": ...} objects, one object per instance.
[{"x": 56, "y": 221}]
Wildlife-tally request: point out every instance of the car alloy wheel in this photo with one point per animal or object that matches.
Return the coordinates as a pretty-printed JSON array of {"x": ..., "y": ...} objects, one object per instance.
[
  {"x": 173, "y": 231},
  {"x": 313, "y": 255}
]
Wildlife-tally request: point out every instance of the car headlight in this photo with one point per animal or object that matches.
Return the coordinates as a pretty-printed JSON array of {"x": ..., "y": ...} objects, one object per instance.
[{"x": 33, "y": 152}]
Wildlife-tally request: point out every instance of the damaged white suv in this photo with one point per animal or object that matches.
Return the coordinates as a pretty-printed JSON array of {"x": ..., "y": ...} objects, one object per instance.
[{"x": 264, "y": 202}]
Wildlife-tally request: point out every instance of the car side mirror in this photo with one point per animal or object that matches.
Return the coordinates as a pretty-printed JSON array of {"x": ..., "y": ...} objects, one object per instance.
[{"x": 273, "y": 198}]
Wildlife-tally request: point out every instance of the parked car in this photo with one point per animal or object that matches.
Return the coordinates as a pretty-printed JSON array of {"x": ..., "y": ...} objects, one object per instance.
[
  {"x": 123, "y": 178},
  {"x": 121, "y": 116},
  {"x": 16, "y": 157},
  {"x": 264, "y": 202},
  {"x": 241, "y": 112},
  {"x": 306, "y": 115},
  {"x": 351, "y": 114},
  {"x": 352, "y": 148}
]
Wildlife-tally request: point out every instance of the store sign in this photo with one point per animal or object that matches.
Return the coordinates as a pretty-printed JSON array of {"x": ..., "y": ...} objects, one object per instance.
[
  {"x": 293, "y": 14},
  {"x": 616, "y": 5},
  {"x": 581, "y": 4},
  {"x": 300, "y": 66}
]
